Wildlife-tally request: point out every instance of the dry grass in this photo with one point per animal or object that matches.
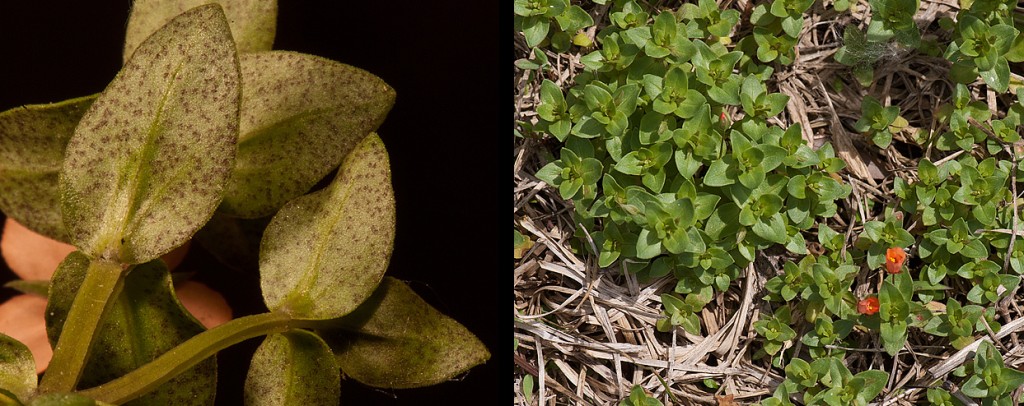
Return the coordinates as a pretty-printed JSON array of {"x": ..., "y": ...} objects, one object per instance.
[{"x": 593, "y": 329}]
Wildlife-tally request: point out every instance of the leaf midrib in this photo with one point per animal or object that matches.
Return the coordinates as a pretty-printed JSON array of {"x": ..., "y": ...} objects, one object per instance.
[{"x": 146, "y": 154}]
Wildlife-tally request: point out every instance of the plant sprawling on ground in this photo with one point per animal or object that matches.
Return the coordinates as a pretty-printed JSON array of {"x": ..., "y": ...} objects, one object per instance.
[{"x": 874, "y": 230}]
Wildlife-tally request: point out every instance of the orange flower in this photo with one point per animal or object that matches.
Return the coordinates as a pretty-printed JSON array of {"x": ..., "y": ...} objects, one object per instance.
[
  {"x": 894, "y": 258},
  {"x": 868, "y": 306}
]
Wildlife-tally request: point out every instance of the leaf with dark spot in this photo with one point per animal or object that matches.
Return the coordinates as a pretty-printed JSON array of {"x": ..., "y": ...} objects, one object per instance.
[
  {"x": 294, "y": 368},
  {"x": 396, "y": 340},
  {"x": 32, "y": 142},
  {"x": 146, "y": 321},
  {"x": 325, "y": 252},
  {"x": 253, "y": 22},
  {"x": 148, "y": 162},
  {"x": 301, "y": 115}
]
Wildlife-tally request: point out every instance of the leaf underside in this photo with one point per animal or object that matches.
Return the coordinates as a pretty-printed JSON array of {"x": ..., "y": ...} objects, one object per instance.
[
  {"x": 301, "y": 115},
  {"x": 148, "y": 162},
  {"x": 397, "y": 340},
  {"x": 294, "y": 368},
  {"x": 253, "y": 22},
  {"x": 146, "y": 321},
  {"x": 32, "y": 142},
  {"x": 17, "y": 368},
  {"x": 324, "y": 253}
]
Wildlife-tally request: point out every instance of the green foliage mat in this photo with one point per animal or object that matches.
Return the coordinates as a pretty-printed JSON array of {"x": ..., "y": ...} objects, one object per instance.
[{"x": 775, "y": 202}]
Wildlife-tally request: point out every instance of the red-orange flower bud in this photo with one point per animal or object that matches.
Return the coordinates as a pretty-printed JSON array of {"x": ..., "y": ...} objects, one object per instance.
[
  {"x": 868, "y": 305},
  {"x": 894, "y": 258}
]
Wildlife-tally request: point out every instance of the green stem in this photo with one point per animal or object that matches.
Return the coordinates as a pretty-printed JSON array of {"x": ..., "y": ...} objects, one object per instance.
[
  {"x": 103, "y": 282},
  {"x": 189, "y": 353}
]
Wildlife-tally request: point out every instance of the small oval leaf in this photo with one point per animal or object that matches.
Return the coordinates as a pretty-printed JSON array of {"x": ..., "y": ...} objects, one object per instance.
[
  {"x": 146, "y": 321},
  {"x": 17, "y": 368},
  {"x": 324, "y": 253},
  {"x": 294, "y": 368},
  {"x": 148, "y": 162},
  {"x": 32, "y": 142},
  {"x": 397, "y": 340},
  {"x": 253, "y": 22},
  {"x": 301, "y": 115}
]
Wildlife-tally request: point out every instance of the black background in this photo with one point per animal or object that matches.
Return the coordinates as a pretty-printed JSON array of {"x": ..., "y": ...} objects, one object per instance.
[{"x": 437, "y": 55}]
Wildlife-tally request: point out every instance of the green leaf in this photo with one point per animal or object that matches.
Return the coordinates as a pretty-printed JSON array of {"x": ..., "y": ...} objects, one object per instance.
[
  {"x": 573, "y": 19},
  {"x": 631, "y": 164},
  {"x": 796, "y": 244},
  {"x": 528, "y": 388},
  {"x": 625, "y": 98},
  {"x": 886, "y": 118},
  {"x": 647, "y": 245},
  {"x": 399, "y": 341},
  {"x": 253, "y": 22},
  {"x": 776, "y": 103},
  {"x": 638, "y": 36},
  {"x": 704, "y": 204},
  {"x": 894, "y": 335},
  {"x": 148, "y": 162},
  {"x": 975, "y": 387},
  {"x": 17, "y": 369},
  {"x": 691, "y": 105},
  {"x": 1004, "y": 35},
  {"x": 864, "y": 74},
  {"x": 535, "y": 29},
  {"x": 772, "y": 229},
  {"x": 874, "y": 382},
  {"x": 591, "y": 169},
  {"x": 882, "y": 139},
  {"x": 750, "y": 91},
  {"x": 325, "y": 252},
  {"x": 998, "y": 78},
  {"x": 928, "y": 172},
  {"x": 145, "y": 321},
  {"x": 32, "y": 287},
  {"x": 752, "y": 178},
  {"x": 679, "y": 242},
  {"x": 293, "y": 368},
  {"x": 686, "y": 164},
  {"x": 722, "y": 27},
  {"x": 792, "y": 26},
  {"x": 797, "y": 186},
  {"x": 974, "y": 249},
  {"x": 588, "y": 127},
  {"x": 32, "y": 142},
  {"x": 716, "y": 175},
  {"x": 303, "y": 115},
  {"x": 552, "y": 173},
  {"x": 723, "y": 221},
  {"x": 596, "y": 97}
]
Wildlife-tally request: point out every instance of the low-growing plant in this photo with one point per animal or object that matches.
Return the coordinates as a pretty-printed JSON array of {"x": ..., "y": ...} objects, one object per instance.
[
  {"x": 826, "y": 381},
  {"x": 537, "y": 18},
  {"x": 656, "y": 161},
  {"x": 674, "y": 165},
  {"x": 879, "y": 123},
  {"x": 205, "y": 124},
  {"x": 988, "y": 378},
  {"x": 638, "y": 397}
]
